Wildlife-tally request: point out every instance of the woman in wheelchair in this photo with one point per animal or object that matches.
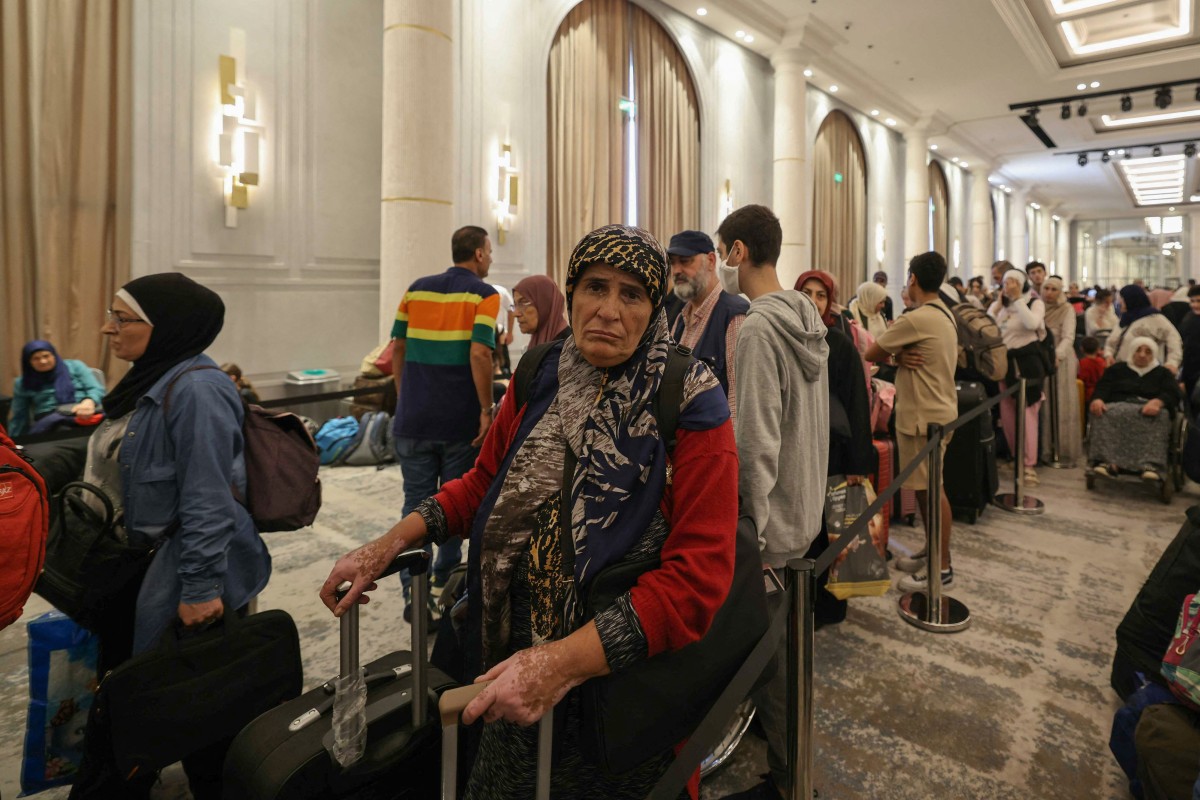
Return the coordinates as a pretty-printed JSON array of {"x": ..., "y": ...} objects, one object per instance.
[{"x": 1129, "y": 431}]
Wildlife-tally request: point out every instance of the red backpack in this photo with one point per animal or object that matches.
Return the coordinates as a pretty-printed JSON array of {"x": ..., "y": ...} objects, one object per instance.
[{"x": 24, "y": 522}]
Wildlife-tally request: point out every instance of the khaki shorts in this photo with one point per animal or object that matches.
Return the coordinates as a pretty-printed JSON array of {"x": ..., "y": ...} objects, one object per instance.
[{"x": 909, "y": 445}]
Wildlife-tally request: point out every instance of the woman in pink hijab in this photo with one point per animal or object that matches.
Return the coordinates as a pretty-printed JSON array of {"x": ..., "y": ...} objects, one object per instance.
[{"x": 541, "y": 309}]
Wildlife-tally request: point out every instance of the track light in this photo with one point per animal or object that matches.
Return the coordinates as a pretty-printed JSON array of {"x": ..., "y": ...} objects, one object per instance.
[
  {"x": 1066, "y": 111},
  {"x": 1128, "y": 154},
  {"x": 1105, "y": 157},
  {"x": 1156, "y": 152},
  {"x": 1083, "y": 109},
  {"x": 1031, "y": 117},
  {"x": 1198, "y": 92},
  {"x": 1162, "y": 97},
  {"x": 1127, "y": 103},
  {"x": 1082, "y": 159},
  {"x": 1189, "y": 149}
]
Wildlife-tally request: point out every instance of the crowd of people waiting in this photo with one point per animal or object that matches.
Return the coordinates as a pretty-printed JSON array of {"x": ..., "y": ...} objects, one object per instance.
[{"x": 582, "y": 459}]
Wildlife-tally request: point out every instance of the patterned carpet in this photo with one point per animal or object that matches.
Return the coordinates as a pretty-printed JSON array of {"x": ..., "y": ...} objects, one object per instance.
[{"x": 1017, "y": 706}]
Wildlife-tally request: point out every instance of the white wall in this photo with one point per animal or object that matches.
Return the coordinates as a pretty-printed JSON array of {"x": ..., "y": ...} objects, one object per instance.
[
  {"x": 884, "y": 149},
  {"x": 300, "y": 273}
]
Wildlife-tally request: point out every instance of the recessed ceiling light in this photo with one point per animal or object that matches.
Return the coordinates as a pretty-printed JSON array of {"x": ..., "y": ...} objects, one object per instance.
[
  {"x": 1081, "y": 87},
  {"x": 1095, "y": 84},
  {"x": 933, "y": 147},
  {"x": 833, "y": 88},
  {"x": 808, "y": 73},
  {"x": 963, "y": 164},
  {"x": 1172, "y": 208},
  {"x": 955, "y": 159},
  {"x": 1166, "y": 116},
  {"x": 700, "y": 12},
  {"x": 1008, "y": 190},
  {"x": 890, "y": 121},
  {"x": 874, "y": 112},
  {"x": 748, "y": 39},
  {"x": 1055, "y": 217},
  {"x": 1035, "y": 206},
  {"x": 740, "y": 34}
]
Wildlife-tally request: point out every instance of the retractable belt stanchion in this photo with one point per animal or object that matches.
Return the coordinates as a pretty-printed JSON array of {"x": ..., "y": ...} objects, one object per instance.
[
  {"x": 1018, "y": 502},
  {"x": 800, "y": 583},
  {"x": 929, "y": 610},
  {"x": 1055, "y": 460}
]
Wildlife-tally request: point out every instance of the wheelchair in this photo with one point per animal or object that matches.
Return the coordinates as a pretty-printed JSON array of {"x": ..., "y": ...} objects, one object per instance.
[{"x": 1173, "y": 477}]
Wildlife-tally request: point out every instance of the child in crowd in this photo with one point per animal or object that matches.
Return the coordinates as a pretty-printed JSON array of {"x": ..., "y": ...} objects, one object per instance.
[{"x": 1091, "y": 366}]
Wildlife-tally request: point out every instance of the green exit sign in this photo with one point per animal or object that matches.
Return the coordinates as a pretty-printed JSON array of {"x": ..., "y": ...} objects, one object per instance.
[{"x": 837, "y": 177}]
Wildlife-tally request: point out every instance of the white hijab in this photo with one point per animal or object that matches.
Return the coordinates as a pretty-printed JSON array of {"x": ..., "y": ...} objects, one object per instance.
[{"x": 1147, "y": 342}]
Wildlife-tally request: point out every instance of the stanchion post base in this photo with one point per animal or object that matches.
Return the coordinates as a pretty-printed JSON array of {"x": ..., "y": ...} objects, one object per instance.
[
  {"x": 1008, "y": 502},
  {"x": 954, "y": 617},
  {"x": 1060, "y": 465}
]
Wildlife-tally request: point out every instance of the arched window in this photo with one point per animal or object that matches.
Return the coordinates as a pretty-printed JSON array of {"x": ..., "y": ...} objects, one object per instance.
[
  {"x": 840, "y": 203},
  {"x": 624, "y": 128},
  {"x": 939, "y": 209}
]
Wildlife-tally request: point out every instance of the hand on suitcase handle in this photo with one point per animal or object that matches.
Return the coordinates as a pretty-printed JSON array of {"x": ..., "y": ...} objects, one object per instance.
[{"x": 361, "y": 569}]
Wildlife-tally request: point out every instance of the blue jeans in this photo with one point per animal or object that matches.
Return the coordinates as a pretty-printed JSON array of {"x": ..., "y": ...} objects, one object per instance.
[{"x": 426, "y": 465}]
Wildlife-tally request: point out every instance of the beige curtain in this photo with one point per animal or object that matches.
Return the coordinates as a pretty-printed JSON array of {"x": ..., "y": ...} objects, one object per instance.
[
  {"x": 939, "y": 197},
  {"x": 65, "y": 146},
  {"x": 668, "y": 142},
  {"x": 840, "y": 204},
  {"x": 589, "y": 63}
]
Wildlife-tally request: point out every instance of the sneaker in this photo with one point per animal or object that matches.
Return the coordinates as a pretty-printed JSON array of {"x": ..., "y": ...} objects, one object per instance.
[
  {"x": 1031, "y": 476},
  {"x": 913, "y": 563},
  {"x": 1150, "y": 475},
  {"x": 920, "y": 581},
  {"x": 1101, "y": 469}
]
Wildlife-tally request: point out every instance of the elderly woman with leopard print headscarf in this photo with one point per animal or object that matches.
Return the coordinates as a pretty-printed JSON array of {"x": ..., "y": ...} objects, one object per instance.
[{"x": 592, "y": 393}]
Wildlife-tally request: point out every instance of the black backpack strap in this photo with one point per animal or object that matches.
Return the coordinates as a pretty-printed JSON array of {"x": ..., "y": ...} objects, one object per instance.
[{"x": 527, "y": 369}]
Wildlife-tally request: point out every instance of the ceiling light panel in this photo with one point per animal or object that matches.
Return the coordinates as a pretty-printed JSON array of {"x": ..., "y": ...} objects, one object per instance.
[
  {"x": 1130, "y": 26},
  {"x": 1154, "y": 181},
  {"x": 1162, "y": 117}
]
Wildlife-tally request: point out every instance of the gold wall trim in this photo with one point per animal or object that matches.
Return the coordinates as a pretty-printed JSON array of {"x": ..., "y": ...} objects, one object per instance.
[
  {"x": 433, "y": 200},
  {"x": 411, "y": 27}
]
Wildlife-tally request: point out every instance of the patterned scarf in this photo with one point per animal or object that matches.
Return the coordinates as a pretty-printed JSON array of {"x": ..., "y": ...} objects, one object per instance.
[{"x": 606, "y": 417}]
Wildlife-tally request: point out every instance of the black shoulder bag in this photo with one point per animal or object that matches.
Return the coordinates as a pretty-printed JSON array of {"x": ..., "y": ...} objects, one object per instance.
[{"x": 87, "y": 565}]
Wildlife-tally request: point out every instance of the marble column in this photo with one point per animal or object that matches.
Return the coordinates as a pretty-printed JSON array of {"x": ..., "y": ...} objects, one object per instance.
[
  {"x": 982, "y": 231},
  {"x": 792, "y": 176},
  {"x": 1045, "y": 247},
  {"x": 1062, "y": 251},
  {"x": 1018, "y": 230},
  {"x": 1191, "y": 251},
  {"x": 419, "y": 148},
  {"x": 916, "y": 194}
]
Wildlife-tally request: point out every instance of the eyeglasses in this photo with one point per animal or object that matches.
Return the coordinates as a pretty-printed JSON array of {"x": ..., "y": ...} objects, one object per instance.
[
  {"x": 521, "y": 305},
  {"x": 118, "y": 320}
]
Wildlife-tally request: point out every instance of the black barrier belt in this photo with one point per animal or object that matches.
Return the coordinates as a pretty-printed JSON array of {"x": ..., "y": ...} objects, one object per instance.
[
  {"x": 859, "y": 526},
  {"x": 712, "y": 727}
]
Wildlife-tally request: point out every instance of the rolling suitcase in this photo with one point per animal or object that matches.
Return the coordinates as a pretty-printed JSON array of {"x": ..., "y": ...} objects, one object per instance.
[
  {"x": 288, "y": 752},
  {"x": 450, "y": 708},
  {"x": 969, "y": 472},
  {"x": 882, "y": 478}
]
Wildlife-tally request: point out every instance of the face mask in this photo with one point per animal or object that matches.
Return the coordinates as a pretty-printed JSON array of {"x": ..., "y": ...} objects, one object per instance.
[{"x": 729, "y": 277}]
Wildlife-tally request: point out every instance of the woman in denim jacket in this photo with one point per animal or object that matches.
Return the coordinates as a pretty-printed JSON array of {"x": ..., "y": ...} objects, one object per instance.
[{"x": 167, "y": 456}]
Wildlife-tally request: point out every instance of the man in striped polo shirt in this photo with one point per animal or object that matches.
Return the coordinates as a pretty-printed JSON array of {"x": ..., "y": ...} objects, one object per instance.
[{"x": 445, "y": 332}]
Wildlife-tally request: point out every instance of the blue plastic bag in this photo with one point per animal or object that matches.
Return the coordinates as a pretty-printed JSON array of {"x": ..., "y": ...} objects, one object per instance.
[{"x": 62, "y": 686}]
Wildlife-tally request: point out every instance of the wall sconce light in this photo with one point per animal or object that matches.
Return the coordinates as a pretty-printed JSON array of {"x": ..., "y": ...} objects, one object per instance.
[
  {"x": 506, "y": 192},
  {"x": 880, "y": 243},
  {"x": 725, "y": 204},
  {"x": 239, "y": 138}
]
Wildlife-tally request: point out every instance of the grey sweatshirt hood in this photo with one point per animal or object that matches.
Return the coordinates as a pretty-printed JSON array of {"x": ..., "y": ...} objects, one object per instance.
[{"x": 794, "y": 317}]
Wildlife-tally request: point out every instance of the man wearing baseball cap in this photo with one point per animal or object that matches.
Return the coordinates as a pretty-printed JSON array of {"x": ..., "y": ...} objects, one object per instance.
[{"x": 711, "y": 318}]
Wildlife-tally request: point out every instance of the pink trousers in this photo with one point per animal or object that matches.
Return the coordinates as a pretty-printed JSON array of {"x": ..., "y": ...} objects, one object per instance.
[{"x": 1008, "y": 421}]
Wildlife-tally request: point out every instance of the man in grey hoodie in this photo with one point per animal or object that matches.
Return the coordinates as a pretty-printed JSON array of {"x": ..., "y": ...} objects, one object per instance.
[{"x": 782, "y": 427}]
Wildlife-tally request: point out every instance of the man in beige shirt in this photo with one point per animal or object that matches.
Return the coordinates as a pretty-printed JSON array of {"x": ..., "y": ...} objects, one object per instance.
[{"x": 925, "y": 341}]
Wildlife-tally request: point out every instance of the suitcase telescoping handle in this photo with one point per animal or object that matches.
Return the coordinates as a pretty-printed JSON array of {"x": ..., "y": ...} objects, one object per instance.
[
  {"x": 451, "y": 707},
  {"x": 417, "y": 564}
]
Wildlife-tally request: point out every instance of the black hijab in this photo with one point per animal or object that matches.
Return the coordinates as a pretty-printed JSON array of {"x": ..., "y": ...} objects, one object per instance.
[{"x": 186, "y": 317}]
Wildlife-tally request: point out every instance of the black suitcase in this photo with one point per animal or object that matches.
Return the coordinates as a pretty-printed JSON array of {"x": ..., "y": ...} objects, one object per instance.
[
  {"x": 287, "y": 753},
  {"x": 969, "y": 470},
  {"x": 1149, "y": 625}
]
